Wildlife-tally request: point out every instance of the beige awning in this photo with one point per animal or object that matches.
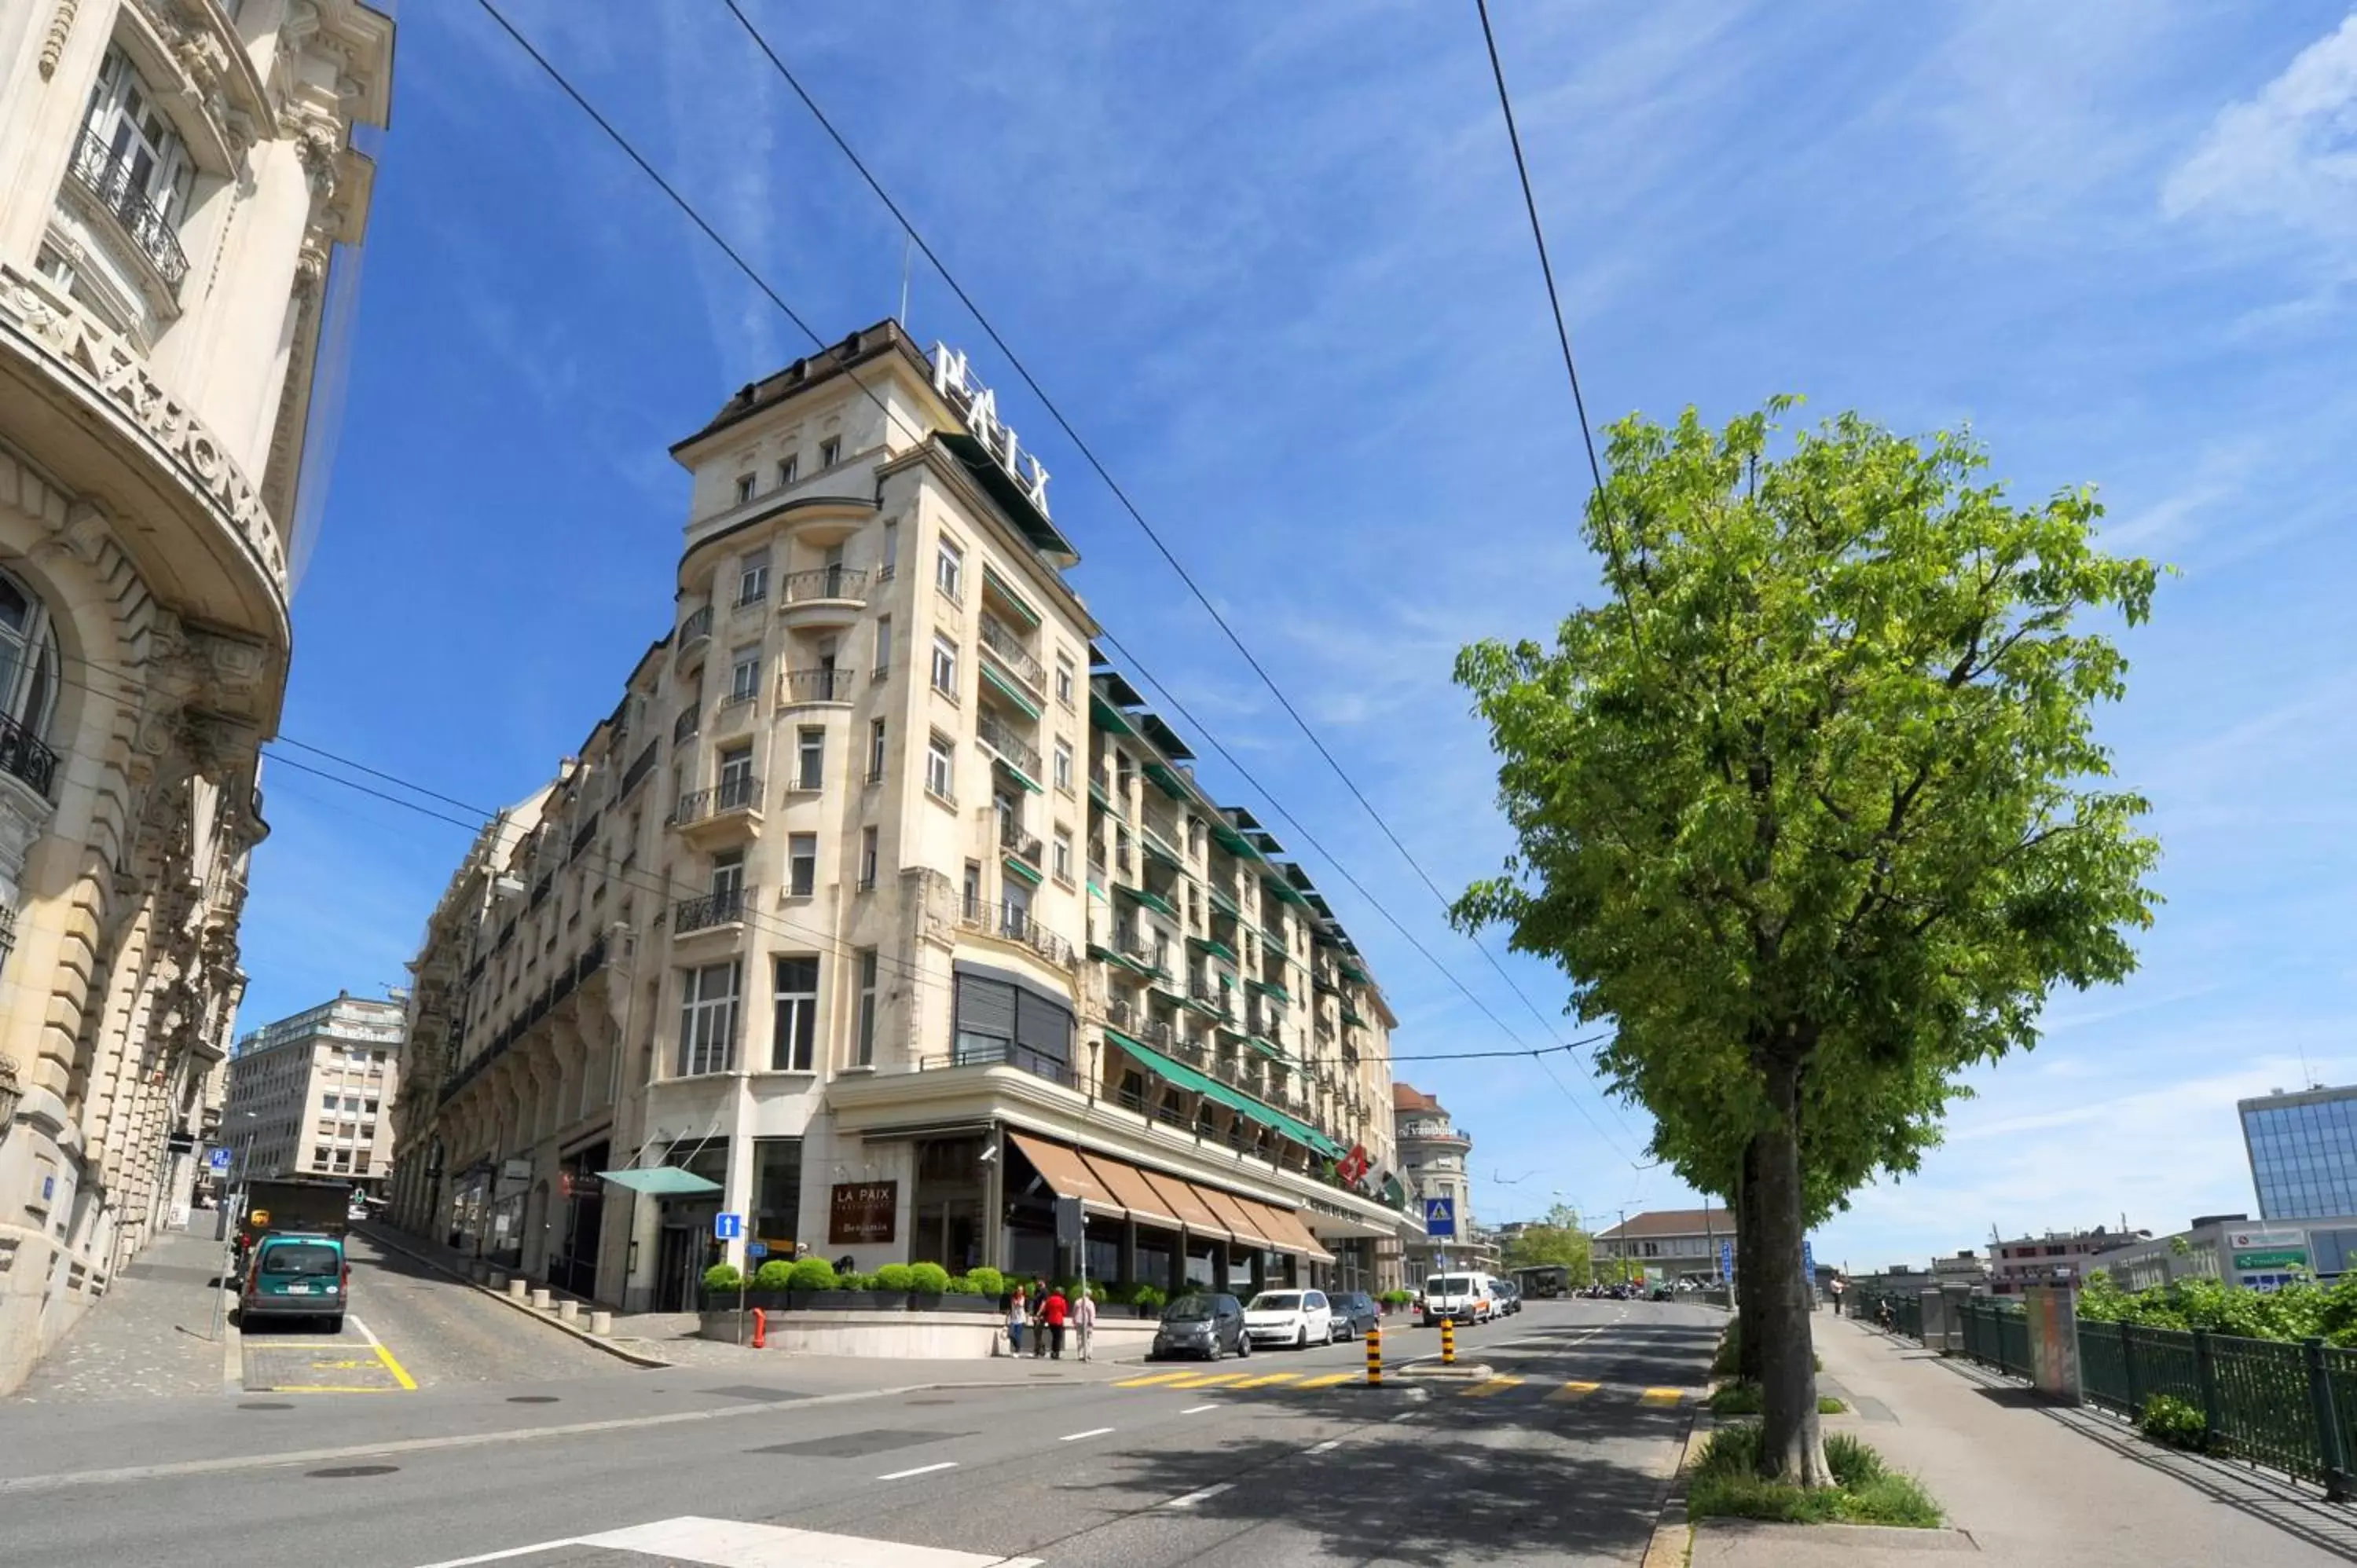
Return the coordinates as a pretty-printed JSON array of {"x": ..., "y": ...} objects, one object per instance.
[
  {"x": 1188, "y": 1203},
  {"x": 1241, "y": 1223},
  {"x": 1131, "y": 1191},
  {"x": 1068, "y": 1174},
  {"x": 1288, "y": 1233}
]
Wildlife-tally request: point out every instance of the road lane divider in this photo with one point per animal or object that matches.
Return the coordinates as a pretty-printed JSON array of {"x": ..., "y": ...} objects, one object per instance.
[
  {"x": 920, "y": 1470},
  {"x": 1205, "y": 1495},
  {"x": 1091, "y": 1432},
  {"x": 1269, "y": 1379},
  {"x": 400, "y": 1373}
]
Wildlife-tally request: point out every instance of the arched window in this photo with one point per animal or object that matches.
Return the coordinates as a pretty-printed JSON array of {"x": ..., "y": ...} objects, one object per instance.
[{"x": 28, "y": 659}]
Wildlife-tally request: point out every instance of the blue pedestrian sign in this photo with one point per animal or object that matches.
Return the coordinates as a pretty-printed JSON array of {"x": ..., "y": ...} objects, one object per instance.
[
  {"x": 1440, "y": 1217},
  {"x": 757, "y": 1249},
  {"x": 1808, "y": 1264},
  {"x": 727, "y": 1227},
  {"x": 1727, "y": 1259},
  {"x": 216, "y": 1162}
]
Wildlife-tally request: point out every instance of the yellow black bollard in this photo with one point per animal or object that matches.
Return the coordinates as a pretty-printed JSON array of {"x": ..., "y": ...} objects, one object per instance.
[
  {"x": 1375, "y": 1356},
  {"x": 1448, "y": 1341}
]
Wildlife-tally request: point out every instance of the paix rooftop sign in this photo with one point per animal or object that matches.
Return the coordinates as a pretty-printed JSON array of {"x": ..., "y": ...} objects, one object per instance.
[{"x": 954, "y": 379}]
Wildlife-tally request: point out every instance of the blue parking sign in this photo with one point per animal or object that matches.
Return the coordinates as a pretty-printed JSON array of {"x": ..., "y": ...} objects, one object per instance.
[
  {"x": 217, "y": 1160},
  {"x": 757, "y": 1249},
  {"x": 727, "y": 1227}
]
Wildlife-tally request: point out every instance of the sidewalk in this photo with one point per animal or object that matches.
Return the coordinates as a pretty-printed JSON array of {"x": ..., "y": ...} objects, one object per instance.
[
  {"x": 2032, "y": 1484},
  {"x": 148, "y": 1337}
]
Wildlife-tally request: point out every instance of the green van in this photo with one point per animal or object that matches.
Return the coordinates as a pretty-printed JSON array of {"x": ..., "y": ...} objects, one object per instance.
[{"x": 296, "y": 1274}]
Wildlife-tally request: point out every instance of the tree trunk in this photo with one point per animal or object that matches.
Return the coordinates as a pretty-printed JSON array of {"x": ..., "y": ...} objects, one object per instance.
[
  {"x": 1792, "y": 1447},
  {"x": 1748, "y": 1331}
]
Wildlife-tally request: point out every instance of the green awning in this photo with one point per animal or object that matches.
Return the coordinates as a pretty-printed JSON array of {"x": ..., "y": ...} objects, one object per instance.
[
  {"x": 1168, "y": 779},
  {"x": 1006, "y": 590},
  {"x": 1351, "y": 971},
  {"x": 660, "y": 1181},
  {"x": 1148, "y": 897},
  {"x": 1009, "y": 689},
  {"x": 1214, "y": 946},
  {"x": 1103, "y": 954},
  {"x": 1017, "y": 773},
  {"x": 1021, "y": 867},
  {"x": 1268, "y": 988},
  {"x": 1160, "y": 849},
  {"x": 1105, "y": 717},
  {"x": 1269, "y": 1049},
  {"x": 1187, "y": 1078},
  {"x": 1221, "y": 901},
  {"x": 1097, "y": 792},
  {"x": 1351, "y": 1016},
  {"x": 1276, "y": 884}
]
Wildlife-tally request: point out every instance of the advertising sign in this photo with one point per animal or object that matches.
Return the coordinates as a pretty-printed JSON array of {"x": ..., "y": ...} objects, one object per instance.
[
  {"x": 2272, "y": 1251},
  {"x": 862, "y": 1211}
]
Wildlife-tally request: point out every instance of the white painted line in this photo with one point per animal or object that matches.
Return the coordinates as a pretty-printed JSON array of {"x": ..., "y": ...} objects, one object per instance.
[
  {"x": 1091, "y": 1432},
  {"x": 740, "y": 1543},
  {"x": 366, "y": 1332},
  {"x": 1198, "y": 1409},
  {"x": 510, "y": 1552},
  {"x": 920, "y": 1470},
  {"x": 1327, "y": 1446},
  {"x": 1191, "y": 1499},
  {"x": 1404, "y": 1415}
]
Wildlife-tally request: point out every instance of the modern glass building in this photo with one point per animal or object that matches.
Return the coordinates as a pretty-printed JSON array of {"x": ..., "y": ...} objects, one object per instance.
[{"x": 2303, "y": 1151}]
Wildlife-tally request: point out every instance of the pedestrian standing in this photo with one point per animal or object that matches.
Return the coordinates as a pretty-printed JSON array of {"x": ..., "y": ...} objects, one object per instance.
[
  {"x": 1014, "y": 1305},
  {"x": 1054, "y": 1311},
  {"x": 1085, "y": 1319},
  {"x": 1038, "y": 1319}
]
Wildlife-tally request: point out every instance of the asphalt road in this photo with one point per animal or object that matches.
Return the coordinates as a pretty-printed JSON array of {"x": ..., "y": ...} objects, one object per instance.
[
  {"x": 1563, "y": 1458},
  {"x": 408, "y": 1327}
]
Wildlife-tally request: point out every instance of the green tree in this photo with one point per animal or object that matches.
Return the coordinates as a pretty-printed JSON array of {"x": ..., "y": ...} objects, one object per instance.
[
  {"x": 1814, "y": 807},
  {"x": 1558, "y": 1239}
]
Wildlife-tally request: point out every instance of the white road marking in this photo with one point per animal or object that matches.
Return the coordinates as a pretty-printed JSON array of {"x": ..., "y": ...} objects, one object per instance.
[
  {"x": 1403, "y": 1415},
  {"x": 1091, "y": 1432},
  {"x": 1191, "y": 1499},
  {"x": 366, "y": 1332},
  {"x": 510, "y": 1552},
  {"x": 1331, "y": 1443},
  {"x": 739, "y": 1543},
  {"x": 1198, "y": 1409},
  {"x": 920, "y": 1470}
]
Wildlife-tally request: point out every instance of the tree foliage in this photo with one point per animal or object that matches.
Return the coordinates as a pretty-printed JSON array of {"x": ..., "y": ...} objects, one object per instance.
[
  {"x": 1813, "y": 809},
  {"x": 1559, "y": 1239},
  {"x": 2301, "y": 1310}
]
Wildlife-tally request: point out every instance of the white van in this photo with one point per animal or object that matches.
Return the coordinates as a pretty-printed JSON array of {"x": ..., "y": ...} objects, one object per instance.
[{"x": 1468, "y": 1297}]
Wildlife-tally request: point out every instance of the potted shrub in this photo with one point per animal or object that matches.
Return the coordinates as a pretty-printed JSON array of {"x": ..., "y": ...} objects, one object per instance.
[
  {"x": 1149, "y": 1301},
  {"x": 928, "y": 1283},
  {"x": 987, "y": 1283},
  {"x": 815, "y": 1285},
  {"x": 893, "y": 1281},
  {"x": 868, "y": 1292},
  {"x": 722, "y": 1280},
  {"x": 772, "y": 1285}
]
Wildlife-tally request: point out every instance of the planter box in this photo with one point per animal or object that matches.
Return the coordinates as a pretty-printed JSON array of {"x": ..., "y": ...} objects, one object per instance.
[{"x": 953, "y": 1303}]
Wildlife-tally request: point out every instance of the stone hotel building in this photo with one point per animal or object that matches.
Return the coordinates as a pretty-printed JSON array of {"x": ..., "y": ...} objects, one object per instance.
[
  {"x": 881, "y": 911},
  {"x": 175, "y": 177}
]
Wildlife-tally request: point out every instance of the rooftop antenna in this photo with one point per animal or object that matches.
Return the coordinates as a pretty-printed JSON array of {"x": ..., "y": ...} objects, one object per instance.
[{"x": 907, "y": 247}]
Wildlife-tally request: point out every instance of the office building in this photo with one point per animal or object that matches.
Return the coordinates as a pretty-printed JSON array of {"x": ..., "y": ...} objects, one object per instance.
[
  {"x": 312, "y": 1095},
  {"x": 1670, "y": 1243},
  {"x": 1013, "y": 951},
  {"x": 2303, "y": 1152},
  {"x": 2057, "y": 1256},
  {"x": 1433, "y": 1152},
  {"x": 176, "y": 177}
]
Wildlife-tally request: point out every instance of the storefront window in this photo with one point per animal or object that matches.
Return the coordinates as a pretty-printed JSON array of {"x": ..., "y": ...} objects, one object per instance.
[
  {"x": 777, "y": 1194},
  {"x": 947, "y": 1205}
]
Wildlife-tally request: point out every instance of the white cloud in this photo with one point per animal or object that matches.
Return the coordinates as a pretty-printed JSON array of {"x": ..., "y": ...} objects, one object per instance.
[{"x": 2288, "y": 153}]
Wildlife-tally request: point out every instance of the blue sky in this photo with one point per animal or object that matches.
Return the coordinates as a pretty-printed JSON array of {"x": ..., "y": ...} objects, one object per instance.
[{"x": 1275, "y": 263}]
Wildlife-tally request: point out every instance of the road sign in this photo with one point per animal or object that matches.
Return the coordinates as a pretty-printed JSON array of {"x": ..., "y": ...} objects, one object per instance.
[
  {"x": 216, "y": 1162},
  {"x": 757, "y": 1249},
  {"x": 1068, "y": 1221},
  {"x": 1440, "y": 1217},
  {"x": 1808, "y": 1264},
  {"x": 727, "y": 1227},
  {"x": 1726, "y": 1259}
]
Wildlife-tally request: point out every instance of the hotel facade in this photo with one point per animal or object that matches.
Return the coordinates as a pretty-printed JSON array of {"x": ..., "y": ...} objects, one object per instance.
[
  {"x": 176, "y": 177},
  {"x": 883, "y": 912}
]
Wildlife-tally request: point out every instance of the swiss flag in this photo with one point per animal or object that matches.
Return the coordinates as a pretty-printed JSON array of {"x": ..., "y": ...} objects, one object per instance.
[{"x": 1353, "y": 1168}]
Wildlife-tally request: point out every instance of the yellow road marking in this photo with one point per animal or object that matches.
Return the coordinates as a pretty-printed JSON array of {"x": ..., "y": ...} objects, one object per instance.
[
  {"x": 1495, "y": 1385},
  {"x": 400, "y": 1373},
  {"x": 1330, "y": 1379},
  {"x": 336, "y": 1366},
  {"x": 323, "y": 1388},
  {"x": 1572, "y": 1393},
  {"x": 1267, "y": 1378},
  {"x": 1208, "y": 1380},
  {"x": 1662, "y": 1396},
  {"x": 1152, "y": 1379}
]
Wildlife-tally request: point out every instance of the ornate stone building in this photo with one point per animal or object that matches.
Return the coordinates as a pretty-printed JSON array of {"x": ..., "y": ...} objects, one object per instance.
[{"x": 175, "y": 175}]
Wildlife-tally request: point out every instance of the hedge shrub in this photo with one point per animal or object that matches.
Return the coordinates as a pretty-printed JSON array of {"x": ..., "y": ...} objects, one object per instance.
[
  {"x": 893, "y": 1277},
  {"x": 723, "y": 1277},
  {"x": 927, "y": 1278},
  {"x": 814, "y": 1273}
]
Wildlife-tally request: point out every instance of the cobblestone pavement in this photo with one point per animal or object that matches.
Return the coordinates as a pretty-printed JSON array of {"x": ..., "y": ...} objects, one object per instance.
[{"x": 145, "y": 1337}]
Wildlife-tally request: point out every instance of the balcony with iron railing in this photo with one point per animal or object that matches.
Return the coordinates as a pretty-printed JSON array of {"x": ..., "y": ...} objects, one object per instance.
[
  {"x": 733, "y": 803},
  {"x": 111, "y": 181},
  {"x": 1016, "y": 840},
  {"x": 696, "y": 628},
  {"x": 725, "y": 907},
  {"x": 24, "y": 755},
  {"x": 1003, "y": 646},
  {"x": 828, "y": 584},
  {"x": 996, "y": 733},
  {"x": 824, "y": 684},
  {"x": 1217, "y": 999}
]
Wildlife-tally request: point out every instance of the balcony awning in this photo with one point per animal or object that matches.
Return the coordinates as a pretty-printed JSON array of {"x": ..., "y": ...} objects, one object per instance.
[
  {"x": 1009, "y": 689},
  {"x": 1187, "y": 1078},
  {"x": 1223, "y": 901},
  {"x": 1187, "y": 1202},
  {"x": 1214, "y": 946},
  {"x": 1154, "y": 846},
  {"x": 1148, "y": 897},
  {"x": 1020, "y": 866},
  {"x": 1066, "y": 1173},
  {"x": 1130, "y": 1189},
  {"x": 1291, "y": 1234},
  {"x": 1234, "y": 1213},
  {"x": 1017, "y": 773},
  {"x": 660, "y": 1181},
  {"x": 1167, "y": 778},
  {"x": 1268, "y": 988},
  {"x": 1105, "y": 717},
  {"x": 1006, "y": 590}
]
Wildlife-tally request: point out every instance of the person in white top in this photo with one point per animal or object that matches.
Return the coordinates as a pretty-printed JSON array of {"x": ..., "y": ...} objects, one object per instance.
[{"x": 1084, "y": 1319}]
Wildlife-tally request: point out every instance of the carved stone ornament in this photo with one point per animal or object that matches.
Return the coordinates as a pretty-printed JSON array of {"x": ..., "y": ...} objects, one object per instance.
[{"x": 53, "y": 44}]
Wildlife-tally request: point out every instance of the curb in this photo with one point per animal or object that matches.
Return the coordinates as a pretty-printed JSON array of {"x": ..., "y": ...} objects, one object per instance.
[
  {"x": 1672, "y": 1542},
  {"x": 635, "y": 1358}
]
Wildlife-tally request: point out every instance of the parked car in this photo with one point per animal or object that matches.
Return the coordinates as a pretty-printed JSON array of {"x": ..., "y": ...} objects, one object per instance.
[
  {"x": 1207, "y": 1323},
  {"x": 1355, "y": 1312},
  {"x": 1509, "y": 1297},
  {"x": 1296, "y": 1317},
  {"x": 296, "y": 1274}
]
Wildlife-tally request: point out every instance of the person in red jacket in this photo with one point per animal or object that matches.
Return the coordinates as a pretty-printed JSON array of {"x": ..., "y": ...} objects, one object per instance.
[{"x": 1053, "y": 1313}]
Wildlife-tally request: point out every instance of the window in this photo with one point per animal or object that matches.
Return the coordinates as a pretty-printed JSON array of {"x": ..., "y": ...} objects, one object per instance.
[
  {"x": 745, "y": 675},
  {"x": 1063, "y": 855},
  {"x": 945, "y": 676},
  {"x": 864, "y": 1048},
  {"x": 738, "y": 786},
  {"x": 777, "y": 1192},
  {"x": 939, "y": 764},
  {"x": 883, "y": 646},
  {"x": 974, "y": 887},
  {"x": 28, "y": 663},
  {"x": 134, "y": 160},
  {"x": 949, "y": 571},
  {"x": 830, "y": 452},
  {"x": 867, "y": 848},
  {"x": 810, "y": 759},
  {"x": 802, "y": 865},
  {"x": 707, "y": 1020},
  {"x": 789, "y": 468},
  {"x": 891, "y": 562},
  {"x": 1064, "y": 765},
  {"x": 791, "y": 1050},
  {"x": 744, "y": 488},
  {"x": 727, "y": 883},
  {"x": 1064, "y": 680},
  {"x": 753, "y": 579}
]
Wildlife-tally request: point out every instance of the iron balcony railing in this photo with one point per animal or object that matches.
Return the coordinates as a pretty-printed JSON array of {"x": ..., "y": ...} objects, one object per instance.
[
  {"x": 825, "y": 685},
  {"x": 988, "y": 1050},
  {"x": 725, "y": 907},
  {"x": 827, "y": 582},
  {"x": 1014, "y": 840},
  {"x": 1008, "y": 649},
  {"x": 696, "y": 627},
  {"x": 729, "y": 795},
  {"x": 1215, "y": 997},
  {"x": 1013, "y": 922},
  {"x": 993, "y": 733},
  {"x": 108, "y": 176},
  {"x": 24, "y": 755}
]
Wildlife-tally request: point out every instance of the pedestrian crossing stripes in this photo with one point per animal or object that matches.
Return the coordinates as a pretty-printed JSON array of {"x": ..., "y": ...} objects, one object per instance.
[
  {"x": 1330, "y": 1379},
  {"x": 1573, "y": 1393},
  {"x": 739, "y": 1543},
  {"x": 1494, "y": 1386},
  {"x": 1662, "y": 1396}
]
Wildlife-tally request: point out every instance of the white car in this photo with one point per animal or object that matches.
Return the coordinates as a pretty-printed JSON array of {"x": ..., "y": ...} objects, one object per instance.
[
  {"x": 1296, "y": 1317},
  {"x": 1468, "y": 1299}
]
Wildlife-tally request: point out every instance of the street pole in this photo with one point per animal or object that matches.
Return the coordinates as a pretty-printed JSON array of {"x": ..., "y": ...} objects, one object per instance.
[{"x": 229, "y": 1241}]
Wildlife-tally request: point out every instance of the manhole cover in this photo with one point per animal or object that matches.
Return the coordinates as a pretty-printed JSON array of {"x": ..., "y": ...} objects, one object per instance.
[
  {"x": 263, "y": 1404},
  {"x": 532, "y": 1399},
  {"x": 344, "y": 1472}
]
